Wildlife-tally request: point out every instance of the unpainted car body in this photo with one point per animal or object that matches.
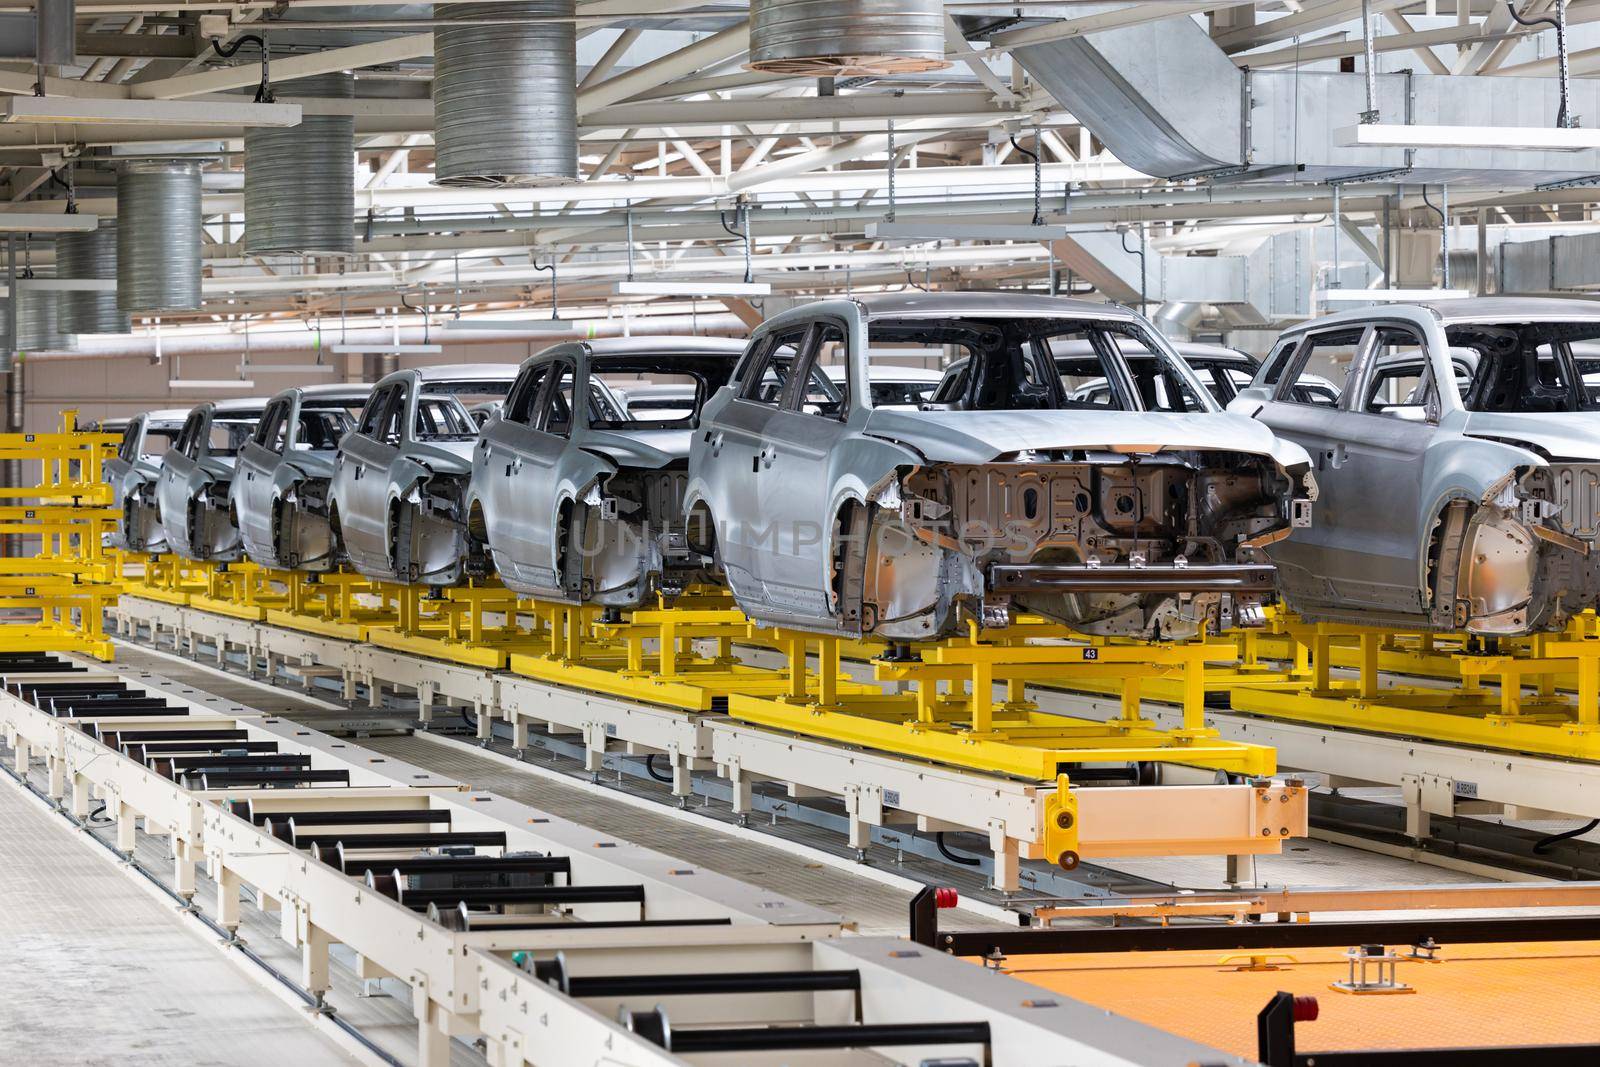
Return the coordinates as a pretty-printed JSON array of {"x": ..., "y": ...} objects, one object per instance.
[
  {"x": 397, "y": 495},
  {"x": 1460, "y": 470},
  {"x": 837, "y": 516},
  {"x": 280, "y": 485},
  {"x": 584, "y": 503},
  {"x": 196, "y": 478},
  {"x": 132, "y": 474}
]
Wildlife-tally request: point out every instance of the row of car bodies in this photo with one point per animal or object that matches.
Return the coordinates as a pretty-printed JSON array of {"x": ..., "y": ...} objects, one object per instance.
[{"x": 902, "y": 466}]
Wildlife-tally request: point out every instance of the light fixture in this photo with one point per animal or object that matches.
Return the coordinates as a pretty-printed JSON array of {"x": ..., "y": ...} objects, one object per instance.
[
  {"x": 1386, "y": 296},
  {"x": 706, "y": 288},
  {"x": 520, "y": 326},
  {"x": 211, "y": 383},
  {"x": 86, "y": 110},
  {"x": 379, "y": 348},
  {"x": 43, "y": 222},
  {"x": 293, "y": 368},
  {"x": 1530, "y": 138},
  {"x": 958, "y": 231}
]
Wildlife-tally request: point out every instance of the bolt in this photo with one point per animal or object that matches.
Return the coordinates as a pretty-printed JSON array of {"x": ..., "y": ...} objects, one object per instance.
[{"x": 1064, "y": 820}]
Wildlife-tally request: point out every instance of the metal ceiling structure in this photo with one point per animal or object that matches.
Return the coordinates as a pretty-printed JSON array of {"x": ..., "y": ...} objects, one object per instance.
[{"x": 1184, "y": 150}]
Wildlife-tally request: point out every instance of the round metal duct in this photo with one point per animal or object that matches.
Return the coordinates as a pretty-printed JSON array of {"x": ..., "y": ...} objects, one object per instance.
[
  {"x": 299, "y": 181},
  {"x": 91, "y": 255},
  {"x": 846, "y": 37},
  {"x": 158, "y": 235},
  {"x": 38, "y": 326},
  {"x": 505, "y": 106}
]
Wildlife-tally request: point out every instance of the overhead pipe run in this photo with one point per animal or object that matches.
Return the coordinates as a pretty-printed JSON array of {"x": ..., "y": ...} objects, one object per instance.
[
  {"x": 90, "y": 256},
  {"x": 505, "y": 100},
  {"x": 847, "y": 38},
  {"x": 158, "y": 236},
  {"x": 299, "y": 181}
]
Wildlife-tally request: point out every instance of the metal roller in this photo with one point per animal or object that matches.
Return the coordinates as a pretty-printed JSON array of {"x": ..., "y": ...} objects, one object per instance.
[
  {"x": 505, "y": 104},
  {"x": 158, "y": 236},
  {"x": 299, "y": 181},
  {"x": 90, "y": 256},
  {"x": 847, "y": 37}
]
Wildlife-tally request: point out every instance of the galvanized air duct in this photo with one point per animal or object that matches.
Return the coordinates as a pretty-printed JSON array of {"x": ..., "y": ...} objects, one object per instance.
[
  {"x": 847, "y": 37},
  {"x": 299, "y": 181},
  {"x": 90, "y": 256},
  {"x": 38, "y": 325},
  {"x": 158, "y": 235},
  {"x": 505, "y": 108}
]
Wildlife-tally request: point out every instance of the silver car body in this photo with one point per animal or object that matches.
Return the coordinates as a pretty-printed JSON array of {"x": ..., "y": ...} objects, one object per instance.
[
  {"x": 280, "y": 485},
  {"x": 1447, "y": 508},
  {"x": 904, "y": 523},
  {"x": 132, "y": 474},
  {"x": 196, "y": 476},
  {"x": 399, "y": 482},
  {"x": 585, "y": 504}
]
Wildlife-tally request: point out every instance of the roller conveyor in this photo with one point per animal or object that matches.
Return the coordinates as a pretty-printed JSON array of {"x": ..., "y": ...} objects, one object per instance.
[
  {"x": 114, "y": 736},
  {"x": 418, "y": 899},
  {"x": 141, "y": 751},
  {"x": 463, "y": 919},
  {"x": 472, "y": 865},
  {"x": 321, "y": 845},
  {"x": 273, "y": 779},
  {"x": 554, "y": 972}
]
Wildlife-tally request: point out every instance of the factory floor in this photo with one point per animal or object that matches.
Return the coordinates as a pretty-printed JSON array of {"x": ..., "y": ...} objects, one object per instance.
[{"x": 97, "y": 970}]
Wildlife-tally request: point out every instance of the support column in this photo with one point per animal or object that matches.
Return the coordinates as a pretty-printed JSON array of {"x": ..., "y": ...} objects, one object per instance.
[
  {"x": 183, "y": 861},
  {"x": 519, "y": 733},
  {"x": 228, "y": 885},
  {"x": 314, "y": 944},
  {"x": 81, "y": 797},
  {"x": 126, "y": 836},
  {"x": 425, "y": 703},
  {"x": 433, "y": 1044},
  {"x": 57, "y": 786},
  {"x": 19, "y": 758},
  {"x": 1007, "y": 860}
]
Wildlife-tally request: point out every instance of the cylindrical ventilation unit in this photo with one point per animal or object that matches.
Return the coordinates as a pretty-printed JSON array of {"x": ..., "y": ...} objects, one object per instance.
[
  {"x": 505, "y": 106},
  {"x": 90, "y": 256},
  {"x": 847, "y": 37},
  {"x": 38, "y": 325},
  {"x": 158, "y": 236},
  {"x": 299, "y": 181}
]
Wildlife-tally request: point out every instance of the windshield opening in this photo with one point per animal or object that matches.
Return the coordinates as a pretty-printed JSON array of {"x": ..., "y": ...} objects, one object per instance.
[
  {"x": 1022, "y": 364},
  {"x": 442, "y": 418},
  {"x": 658, "y": 394},
  {"x": 1530, "y": 368}
]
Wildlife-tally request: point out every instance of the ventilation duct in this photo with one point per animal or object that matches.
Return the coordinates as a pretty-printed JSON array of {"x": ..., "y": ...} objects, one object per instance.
[
  {"x": 38, "y": 325},
  {"x": 505, "y": 107},
  {"x": 847, "y": 37},
  {"x": 299, "y": 181},
  {"x": 158, "y": 236},
  {"x": 90, "y": 256}
]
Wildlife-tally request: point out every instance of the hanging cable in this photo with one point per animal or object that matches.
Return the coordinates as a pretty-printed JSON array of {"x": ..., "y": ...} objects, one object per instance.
[
  {"x": 1545, "y": 844},
  {"x": 1444, "y": 234},
  {"x": 1038, "y": 177},
  {"x": 630, "y": 240},
  {"x": 264, "y": 90},
  {"x": 1140, "y": 253},
  {"x": 555, "y": 294},
  {"x": 741, "y": 220},
  {"x": 1564, "y": 118},
  {"x": 890, "y": 216},
  {"x": 953, "y": 857}
]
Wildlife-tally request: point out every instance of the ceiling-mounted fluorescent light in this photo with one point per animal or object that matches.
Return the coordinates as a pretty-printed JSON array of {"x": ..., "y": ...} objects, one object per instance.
[
  {"x": 958, "y": 231},
  {"x": 292, "y": 368},
  {"x": 94, "y": 110},
  {"x": 46, "y": 222},
  {"x": 211, "y": 383},
  {"x": 692, "y": 289},
  {"x": 1386, "y": 296},
  {"x": 519, "y": 326},
  {"x": 1530, "y": 138},
  {"x": 378, "y": 348}
]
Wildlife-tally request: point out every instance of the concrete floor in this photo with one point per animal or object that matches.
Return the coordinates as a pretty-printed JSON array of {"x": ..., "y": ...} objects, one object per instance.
[{"x": 96, "y": 970}]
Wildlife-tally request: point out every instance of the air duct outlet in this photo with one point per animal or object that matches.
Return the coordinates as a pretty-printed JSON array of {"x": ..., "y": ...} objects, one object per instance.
[
  {"x": 846, "y": 38},
  {"x": 158, "y": 236},
  {"x": 505, "y": 107},
  {"x": 299, "y": 181},
  {"x": 90, "y": 256}
]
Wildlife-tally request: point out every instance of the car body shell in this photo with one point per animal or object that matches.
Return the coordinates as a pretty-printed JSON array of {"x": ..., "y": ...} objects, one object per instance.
[
  {"x": 396, "y": 500},
  {"x": 280, "y": 487},
  {"x": 1443, "y": 517},
  {"x": 193, "y": 487},
  {"x": 594, "y": 515},
  {"x": 755, "y": 469},
  {"x": 132, "y": 474}
]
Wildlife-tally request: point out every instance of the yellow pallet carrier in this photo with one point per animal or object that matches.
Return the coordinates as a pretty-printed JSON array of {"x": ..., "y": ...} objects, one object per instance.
[{"x": 57, "y": 576}]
